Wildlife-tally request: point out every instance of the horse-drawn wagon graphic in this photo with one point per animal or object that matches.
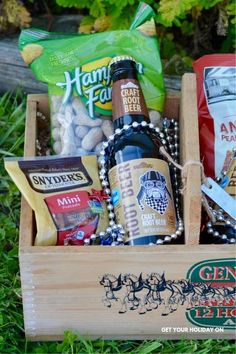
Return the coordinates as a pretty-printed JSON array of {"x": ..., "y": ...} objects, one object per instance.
[{"x": 208, "y": 294}]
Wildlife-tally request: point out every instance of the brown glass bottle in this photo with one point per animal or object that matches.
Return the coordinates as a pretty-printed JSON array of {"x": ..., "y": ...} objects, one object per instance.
[{"x": 138, "y": 174}]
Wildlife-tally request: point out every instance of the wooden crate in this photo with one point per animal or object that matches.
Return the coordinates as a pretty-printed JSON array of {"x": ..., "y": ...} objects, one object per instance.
[{"x": 79, "y": 288}]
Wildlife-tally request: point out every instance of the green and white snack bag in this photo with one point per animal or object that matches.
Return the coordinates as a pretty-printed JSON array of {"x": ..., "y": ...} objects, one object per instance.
[{"x": 75, "y": 67}]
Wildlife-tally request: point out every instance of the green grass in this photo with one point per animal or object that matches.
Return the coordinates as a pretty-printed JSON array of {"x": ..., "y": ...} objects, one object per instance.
[{"x": 12, "y": 340}]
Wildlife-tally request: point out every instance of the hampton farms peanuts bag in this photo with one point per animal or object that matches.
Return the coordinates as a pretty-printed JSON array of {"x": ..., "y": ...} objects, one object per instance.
[
  {"x": 216, "y": 94},
  {"x": 75, "y": 66},
  {"x": 66, "y": 195}
]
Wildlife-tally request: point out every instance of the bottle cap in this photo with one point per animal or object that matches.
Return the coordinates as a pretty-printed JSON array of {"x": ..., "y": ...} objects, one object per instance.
[{"x": 121, "y": 58}]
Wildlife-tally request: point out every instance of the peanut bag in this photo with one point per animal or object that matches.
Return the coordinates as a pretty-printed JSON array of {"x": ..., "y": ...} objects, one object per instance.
[
  {"x": 216, "y": 96},
  {"x": 65, "y": 194},
  {"x": 75, "y": 67}
]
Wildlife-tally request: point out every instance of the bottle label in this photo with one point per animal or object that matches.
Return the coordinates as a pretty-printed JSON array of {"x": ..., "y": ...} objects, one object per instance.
[
  {"x": 127, "y": 98},
  {"x": 142, "y": 198}
]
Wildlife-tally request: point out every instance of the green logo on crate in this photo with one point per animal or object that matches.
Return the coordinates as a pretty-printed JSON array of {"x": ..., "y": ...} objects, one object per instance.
[{"x": 213, "y": 298}]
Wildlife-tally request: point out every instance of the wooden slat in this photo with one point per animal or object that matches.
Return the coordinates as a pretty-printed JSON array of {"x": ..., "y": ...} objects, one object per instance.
[
  {"x": 61, "y": 290},
  {"x": 190, "y": 153},
  {"x": 171, "y": 249},
  {"x": 26, "y": 226},
  {"x": 26, "y": 218},
  {"x": 30, "y": 128},
  {"x": 42, "y": 103}
]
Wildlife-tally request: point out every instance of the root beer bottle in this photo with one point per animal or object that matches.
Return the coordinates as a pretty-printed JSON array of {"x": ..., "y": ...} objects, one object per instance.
[{"x": 138, "y": 174}]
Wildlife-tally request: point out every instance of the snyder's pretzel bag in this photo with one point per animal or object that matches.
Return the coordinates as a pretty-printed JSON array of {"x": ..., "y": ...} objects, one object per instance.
[
  {"x": 75, "y": 67},
  {"x": 66, "y": 195},
  {"x": 216, "y": 95}
]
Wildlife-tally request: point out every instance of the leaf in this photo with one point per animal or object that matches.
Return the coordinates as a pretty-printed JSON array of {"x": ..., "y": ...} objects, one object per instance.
[
  {"x": 6, "y": 153},
  {"x": 169, "y": 10},
  {"x": 102, "y": 23},
  {"x": 12, "y": 128},
  {"x": 72, "y": 3},
  {"x": 15, "y": 14},
  {"x": 97, "y": 9},
  {"x": 151, "y": 348},
  {"x": 208, "y": 4}
]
